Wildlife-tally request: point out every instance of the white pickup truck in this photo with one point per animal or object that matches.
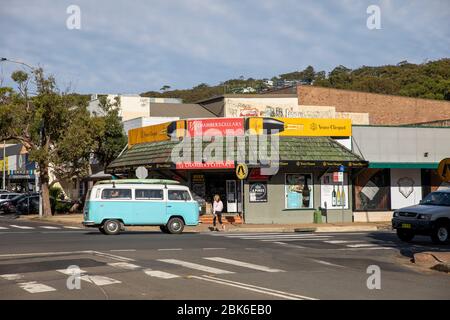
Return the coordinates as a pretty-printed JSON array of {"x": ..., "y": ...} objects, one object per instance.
[{"x": 430, "y": 217}]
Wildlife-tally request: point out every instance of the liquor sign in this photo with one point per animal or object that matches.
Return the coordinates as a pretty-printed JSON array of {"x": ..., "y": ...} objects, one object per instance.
[
  {"x": 157, "y": 132},
  {"x": 205, "y": 165},
  {"x": 300, "y": 126},
  {"x": 333, "y": 194},
  {"x": 258, "y": 191},
  {"x": 224, "y": 126}
]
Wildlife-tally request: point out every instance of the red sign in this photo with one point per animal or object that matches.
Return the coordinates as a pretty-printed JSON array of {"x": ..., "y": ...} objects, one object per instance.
[
  {"x": 219, "y": 126},
  {"x": 206, "y": 165},
  {"x": 256, "y": 175}
]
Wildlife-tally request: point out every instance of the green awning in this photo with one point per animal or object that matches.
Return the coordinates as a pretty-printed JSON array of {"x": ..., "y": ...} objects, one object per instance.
[
  {"x": 299, "y": 151},
  {"x": 403, "y": 165}
]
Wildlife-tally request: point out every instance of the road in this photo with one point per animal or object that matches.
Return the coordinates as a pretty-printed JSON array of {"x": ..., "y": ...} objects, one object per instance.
[{"x": 34, "y": 258}]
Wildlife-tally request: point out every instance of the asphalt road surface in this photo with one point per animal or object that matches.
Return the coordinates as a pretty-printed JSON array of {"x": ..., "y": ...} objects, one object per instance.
[{"x": 35, "y": 257}]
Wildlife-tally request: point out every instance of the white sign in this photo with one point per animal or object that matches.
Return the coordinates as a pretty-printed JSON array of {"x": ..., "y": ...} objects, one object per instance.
[
  {"x": 332, "y": 193},
  {"x": 406, "y": 187},
  {"x": 141, "y": 172}
]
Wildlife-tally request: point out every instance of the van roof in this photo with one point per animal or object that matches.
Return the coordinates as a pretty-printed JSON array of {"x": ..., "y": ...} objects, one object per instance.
[{"x": 139, "y": 181}]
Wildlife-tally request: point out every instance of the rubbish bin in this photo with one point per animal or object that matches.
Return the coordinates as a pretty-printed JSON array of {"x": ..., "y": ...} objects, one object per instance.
[{"x": 318, "y": 216}]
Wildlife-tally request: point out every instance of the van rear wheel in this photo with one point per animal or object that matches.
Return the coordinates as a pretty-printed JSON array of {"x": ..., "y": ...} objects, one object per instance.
[
  {"x": 111, "y": 227},
  {"x": 175, "y": 225}
]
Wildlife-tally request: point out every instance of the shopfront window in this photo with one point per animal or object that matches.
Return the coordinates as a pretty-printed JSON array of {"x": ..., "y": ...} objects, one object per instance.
[
  {"x": 372, "y": 190},
  {"x": 299, "y": 191}
]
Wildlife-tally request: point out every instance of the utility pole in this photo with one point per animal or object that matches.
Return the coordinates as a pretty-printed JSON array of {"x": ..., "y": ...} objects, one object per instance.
[{"x": 4, "y": 164}]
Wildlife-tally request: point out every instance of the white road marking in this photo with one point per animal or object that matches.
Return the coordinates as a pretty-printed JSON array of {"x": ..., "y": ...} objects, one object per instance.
[
  {"x": 124, "y": 265},
  {"x": 35, "y": 287},
  {"x": 245, "y": 234},
  {"x": 284, "y": 237},
  {"x": 170, "y": 249},
  {"x": 245, "y": 286},
  {"x": 69, "y": 273},
  {"x": 99, "y": 280},
  {"x": 160, "y": 274},
  {"x": 68, "y": 227},
  {"x": 195, "y": 266},
  {"x": 292, "y": 234},
  {"x": 340, "y": 241},
  {"x": 49, "y": 227},
  {"x": 288, "y": 245},
  {"x": 370, "y": 248},
  {"x": 213, "y": 248},
  {"x": 362, "y": 245},
  {"x": 11, "y": 276},
  {"x": 20, "y": 227},
  {"x": 243, "y": 264},
  {"x": 293, "y": 239},
  {"x": 3, "y": 228},
  {"x": 328, "y": 263},
  {"x": 123, "y": 250}
]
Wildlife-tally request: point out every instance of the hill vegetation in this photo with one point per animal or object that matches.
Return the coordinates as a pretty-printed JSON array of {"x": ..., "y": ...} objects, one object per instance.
[{"x": 429, "y": 80}]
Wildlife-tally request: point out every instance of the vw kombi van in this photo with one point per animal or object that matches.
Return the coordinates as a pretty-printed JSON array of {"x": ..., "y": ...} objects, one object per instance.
[{"x": 110, "y": 205}]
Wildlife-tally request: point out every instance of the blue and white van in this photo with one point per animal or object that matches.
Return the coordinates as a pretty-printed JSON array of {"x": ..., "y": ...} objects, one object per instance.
[{"x": 112, "y": 204}]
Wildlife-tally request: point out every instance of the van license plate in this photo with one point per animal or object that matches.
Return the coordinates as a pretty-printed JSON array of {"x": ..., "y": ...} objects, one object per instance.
[{"x": 406, "y": 225}]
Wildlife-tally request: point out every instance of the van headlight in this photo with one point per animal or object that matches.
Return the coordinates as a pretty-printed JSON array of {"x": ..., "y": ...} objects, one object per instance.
[{"x": 424, "y": 216}]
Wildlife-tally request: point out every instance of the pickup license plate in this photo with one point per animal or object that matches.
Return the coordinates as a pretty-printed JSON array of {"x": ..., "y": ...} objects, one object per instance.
[{"x": 406, "y": 225}]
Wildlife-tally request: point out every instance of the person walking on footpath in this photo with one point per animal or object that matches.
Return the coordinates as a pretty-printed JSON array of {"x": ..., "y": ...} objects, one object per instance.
[{"x": 217, "y": 211}]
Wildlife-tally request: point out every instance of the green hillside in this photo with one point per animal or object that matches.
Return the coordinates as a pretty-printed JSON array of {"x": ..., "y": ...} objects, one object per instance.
[{"x": 429, "y": 80}]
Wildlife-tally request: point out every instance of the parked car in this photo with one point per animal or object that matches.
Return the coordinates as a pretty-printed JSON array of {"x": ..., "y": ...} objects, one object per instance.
[
  {"x": 430, "y": 217},
  {"x": 7, "y": 196},
  {"x": 111, "y": 205},
  {"x": 9, "y": 206}
]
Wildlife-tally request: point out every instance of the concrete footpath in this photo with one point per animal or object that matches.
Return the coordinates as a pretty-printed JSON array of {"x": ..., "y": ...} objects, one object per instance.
[{"x": 76, "y": 219}]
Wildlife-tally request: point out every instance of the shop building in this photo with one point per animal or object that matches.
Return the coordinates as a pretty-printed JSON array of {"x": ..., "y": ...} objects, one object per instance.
[
  {"x": 308, "y": 163},
  {"x": 403, "y": 162},
  {"x": 17, "y": 168}
]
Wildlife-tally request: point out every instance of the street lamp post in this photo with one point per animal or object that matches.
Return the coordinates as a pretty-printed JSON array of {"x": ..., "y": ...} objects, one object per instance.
[{"x": 36, "y": 175}]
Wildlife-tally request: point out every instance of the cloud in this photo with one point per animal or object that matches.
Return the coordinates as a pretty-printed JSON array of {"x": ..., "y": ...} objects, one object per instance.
[{"x": 130, "y": 47}]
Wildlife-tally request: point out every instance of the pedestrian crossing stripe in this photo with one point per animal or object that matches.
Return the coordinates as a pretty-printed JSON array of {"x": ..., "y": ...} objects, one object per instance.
[
  {"x": 243, "y": 264},
  {"x": 160, "y": 274},
  {"x": 35, "y": 287},
  {"x": 195, "y": 266}
]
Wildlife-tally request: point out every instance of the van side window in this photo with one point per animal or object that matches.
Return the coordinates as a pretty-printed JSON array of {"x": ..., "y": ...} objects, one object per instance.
[
  {"x": 179, "y": 195},
  {"x": 149, "y": 194},
  {"x": 116, "y": 193}
]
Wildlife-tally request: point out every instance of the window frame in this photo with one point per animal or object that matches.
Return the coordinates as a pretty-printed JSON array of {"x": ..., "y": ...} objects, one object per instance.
[
  {"x": 182, "y": 190},
  {"x": 116, "y": 199},
  {"x": 311, "y": 195},
  {"x": 149, "y": 199}
]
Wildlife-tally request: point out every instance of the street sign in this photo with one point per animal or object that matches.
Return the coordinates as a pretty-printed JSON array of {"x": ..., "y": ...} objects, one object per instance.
[
  {"x": 141, "y": 172},
  {"x": 444, "y": 169},
  {"x": 241, "y": 171}
]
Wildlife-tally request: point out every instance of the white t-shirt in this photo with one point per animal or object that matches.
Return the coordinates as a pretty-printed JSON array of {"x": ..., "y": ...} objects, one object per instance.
[{"x": 217, "y": 206}]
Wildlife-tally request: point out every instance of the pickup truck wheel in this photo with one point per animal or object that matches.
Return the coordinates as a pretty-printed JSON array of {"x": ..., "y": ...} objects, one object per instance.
[
  {"x": 111, "y": 227},
  {"x": 102, "y": 230},
  {"x": 164, "y": 229},
  {"x": 405, "y": 235},
  {"x": 175, "y": 226},
  {"x": 440, "y": 234}
]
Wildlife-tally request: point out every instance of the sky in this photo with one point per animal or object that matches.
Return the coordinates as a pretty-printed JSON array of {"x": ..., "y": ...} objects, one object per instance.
[{"x": 140, "y": 45}]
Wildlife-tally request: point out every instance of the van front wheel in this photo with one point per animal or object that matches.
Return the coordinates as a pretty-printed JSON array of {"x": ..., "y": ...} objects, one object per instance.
[
  {"x": 175, "y": 226},
  {"x": 111, "y": 227}
]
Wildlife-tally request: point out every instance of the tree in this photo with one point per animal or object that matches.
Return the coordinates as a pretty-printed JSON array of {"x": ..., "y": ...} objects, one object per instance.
[
  {"x": 111, "y": 138},
  {"x": 53, "y": 126},
  {"x": 165, "y": 88}
]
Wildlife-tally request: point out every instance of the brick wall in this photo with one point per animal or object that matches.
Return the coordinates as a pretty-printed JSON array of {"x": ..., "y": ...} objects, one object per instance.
[{"x": 382, "y": 109}]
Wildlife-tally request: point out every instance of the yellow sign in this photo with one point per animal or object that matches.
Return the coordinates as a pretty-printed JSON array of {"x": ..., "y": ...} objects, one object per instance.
[
  {"x": 444, "y": 169},
  {"x": 300, "y": 126},
  {"x": 158, "y": 132},
  {"x": 4, "y": 165},
  {"x": 241, "y": 171}
]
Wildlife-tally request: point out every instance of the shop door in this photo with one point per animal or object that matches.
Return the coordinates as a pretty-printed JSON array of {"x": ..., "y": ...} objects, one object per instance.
[{"x": 231, "y": 196}]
